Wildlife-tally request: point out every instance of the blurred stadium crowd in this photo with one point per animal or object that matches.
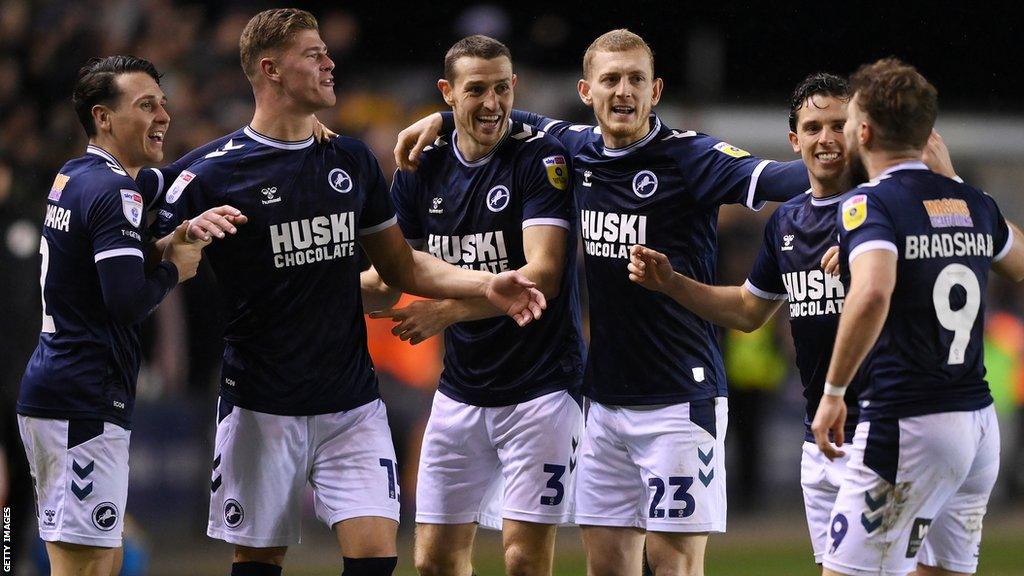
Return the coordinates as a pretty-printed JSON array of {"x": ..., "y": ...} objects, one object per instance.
[{"x": 43, "y": 43}]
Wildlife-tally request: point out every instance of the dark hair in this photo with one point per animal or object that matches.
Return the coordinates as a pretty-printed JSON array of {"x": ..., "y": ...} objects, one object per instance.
[
  {"x": 819, "y": 83},
  {"x": 900, "y": 102},
  {"x": 96, "y": 84},
  {"x": 475, "y": 46},
  {"x": 271, "y": 30}
]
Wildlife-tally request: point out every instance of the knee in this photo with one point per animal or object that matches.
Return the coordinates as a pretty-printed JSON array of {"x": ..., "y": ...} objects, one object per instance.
[
  {"x": 520, "y": 563},
  {"x": 435, "y": 565}
]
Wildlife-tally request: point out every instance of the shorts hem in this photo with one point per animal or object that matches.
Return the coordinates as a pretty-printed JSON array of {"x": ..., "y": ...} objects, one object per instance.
[
  {"x": 351, "y": 513},
  {"x": 537, "y": 518},
  {"x": 952, "y": 565},
  {"x": 850, "y": 571},
  {"x": 251, "y": 541},
  {"x": 686, "y": 528},
  {"x": 447, "y": 519},
  {"x": 96, "y": 542}
]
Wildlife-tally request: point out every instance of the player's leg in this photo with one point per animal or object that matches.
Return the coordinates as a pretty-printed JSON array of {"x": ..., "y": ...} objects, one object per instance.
[
  {"x": 613, "y": 550},
  {"x": 444, "y": 549},
  {"x": 458, "y": 469},
  {"x": 954, "y": 537},
  {"x": 354, "y": 474},
  {"x": 899, "y": 476},
  {"x": 537, "y": 443},
  {"x": 255, "y": 504},
  {"x": 676, "y": 554},
  {"x": 80, "y": 471}
]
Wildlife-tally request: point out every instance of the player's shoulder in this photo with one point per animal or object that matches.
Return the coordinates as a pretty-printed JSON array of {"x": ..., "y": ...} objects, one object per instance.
[
  {"x": 96, "y": 174},
  {"x": 223, "y": 153},
  {"x": 686, "y": 146}
]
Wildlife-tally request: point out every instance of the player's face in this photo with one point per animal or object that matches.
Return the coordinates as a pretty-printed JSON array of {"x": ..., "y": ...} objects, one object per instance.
[
  {"x": 622, "y": 89},
  {"x": 819, "y": 139},
  {"x": 480, "y": 95},
  {"x": 855, "y": 119},
  {"x": 306, "y": 71},
  {"x": 139, "y": 121}
]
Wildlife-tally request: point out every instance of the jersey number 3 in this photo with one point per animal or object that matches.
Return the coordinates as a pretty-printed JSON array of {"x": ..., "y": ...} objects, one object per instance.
[{"x": 961, "y": 321}]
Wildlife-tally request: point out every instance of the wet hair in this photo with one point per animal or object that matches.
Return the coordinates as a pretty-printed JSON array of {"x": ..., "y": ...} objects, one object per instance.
[
  {"x": 817, "y": 84},
  {"x": 271, "y": 30},
  {"x": 900, "y": 102},
  {"x": 620, "y": 40},
  {"x": 97, "y": 84},
  {"x": 475, "y": 46}
]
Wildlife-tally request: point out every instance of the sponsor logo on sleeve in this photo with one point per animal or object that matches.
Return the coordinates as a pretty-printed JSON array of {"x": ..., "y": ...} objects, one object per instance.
[
  {"x": 132, "y": 206},
  {"x": 730, "y": 150},
  {"x": 855, "y": 210},
  {"x": 58, "y": 187},
  {"x": 558, "y": 171},
  {"x": 179, "y": 186}
]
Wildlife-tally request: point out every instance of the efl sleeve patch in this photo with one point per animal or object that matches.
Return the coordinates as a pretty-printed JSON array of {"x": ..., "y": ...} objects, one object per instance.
[
  {"x": 557, "y": 171},
  {"x": 855, "y": 211},
  {"x": 730, "y": 150},
  {"x": 132, "y": 206},
  {"x": 174, "y": 192}
]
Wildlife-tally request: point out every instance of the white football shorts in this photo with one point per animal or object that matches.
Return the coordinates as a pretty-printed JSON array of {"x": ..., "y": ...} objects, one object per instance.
[
  {"x": 80, "y": 472},
  {"x": 820, "y": 479},
  {"x": 481, "y": 464},
  {"x": 916, "y": 490},
  {"x": 262, "y": 463},
  {"x": 659, "y": 468}
]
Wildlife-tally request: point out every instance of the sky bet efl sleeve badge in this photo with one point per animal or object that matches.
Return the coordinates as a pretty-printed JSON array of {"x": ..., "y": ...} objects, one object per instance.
[
  {"x": 730, "y": 150},
  {"x": 558, "y": 172},
  {"x": 132, "y": 206},
  {"x": 855, "y": 210}
]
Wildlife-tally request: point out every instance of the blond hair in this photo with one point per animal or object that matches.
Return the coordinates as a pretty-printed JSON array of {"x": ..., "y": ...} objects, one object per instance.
[
  {"x": 620, "y": 40},
  {"x": 271, "y": 30}
]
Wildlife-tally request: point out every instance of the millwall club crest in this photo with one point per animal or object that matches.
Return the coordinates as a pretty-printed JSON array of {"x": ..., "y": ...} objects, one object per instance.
[
  {"x": 340, "y": 180},
  {"x": 104, "y": 516},
  {"x": 497, "y": 198},
  {"x": 132, "y": 206},
  {"x": 645, "y": 183},
  {"x": 233, "y": 513}
]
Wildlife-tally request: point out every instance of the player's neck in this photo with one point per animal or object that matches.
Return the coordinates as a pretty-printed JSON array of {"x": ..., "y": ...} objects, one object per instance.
[
  {"x": 472, "y": 149},
  {"x": 829, "y": 188},
  {"x": 878, "y": 162},
  {"x": 613, "y": 141},
  {"x": 283, "y": 125},
  {"x": 110, "y": 146}
]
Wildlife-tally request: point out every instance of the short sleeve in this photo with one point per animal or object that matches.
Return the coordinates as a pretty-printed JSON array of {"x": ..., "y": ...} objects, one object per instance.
[
  {"x": 865, "y": 225},
  {"x": 115, "y": 219},
  {"x": 403, "y": 194},
  {"x": 765, "y": 279},
  {"x": 720, "y": 173},
  {"x": 1002, "y": 235},
  {"x": 544, "y": 182},
  {"x": 378, "y": 213},
  {"x": 185, "y": 198},
  {"x": 154, "y": 182}
]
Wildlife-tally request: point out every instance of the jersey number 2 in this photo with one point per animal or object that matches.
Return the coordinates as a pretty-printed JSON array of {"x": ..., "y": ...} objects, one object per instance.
[
  {"x": 959, "y": 322},
  {"x": 44, "y": 250}
]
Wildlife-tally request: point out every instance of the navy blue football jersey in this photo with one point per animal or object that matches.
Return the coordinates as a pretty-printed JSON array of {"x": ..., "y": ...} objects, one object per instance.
[
  {"x": 295, "y": 338},
  {"x": 663, "y": 191},
  {"x": 929, "y": 356},
  {"x": 788, "y": 267},
  {"x": 472, "y": 214},
  {"x": 86, "y": 364}
]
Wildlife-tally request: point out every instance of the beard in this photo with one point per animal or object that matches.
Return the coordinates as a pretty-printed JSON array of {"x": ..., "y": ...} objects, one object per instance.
[{"x": 858, "y": 172}]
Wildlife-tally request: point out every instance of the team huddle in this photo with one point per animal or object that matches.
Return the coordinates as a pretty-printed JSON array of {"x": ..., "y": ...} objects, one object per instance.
[{"x": 529, "y": 428}]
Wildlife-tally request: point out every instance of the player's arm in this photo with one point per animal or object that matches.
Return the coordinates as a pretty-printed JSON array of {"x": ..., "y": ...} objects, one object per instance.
[
  {"x": 421, "y": 274},
  {"x": 729, "y": 306},
  {"x": 1011, "y": 264},
  {"x": 377, "y": 295},
  {"x": 544, "y": 248}
]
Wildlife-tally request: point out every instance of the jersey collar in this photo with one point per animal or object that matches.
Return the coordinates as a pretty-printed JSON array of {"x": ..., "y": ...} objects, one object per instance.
[
  {"x": 486, "y": 157},
  {"x": 827, "y": 200},
  {"x": 94, "y": 149},
  {"x": 275, "y": 143},
  {"x": 616, "y": 152},
  {"x": 910, "y": 165}
]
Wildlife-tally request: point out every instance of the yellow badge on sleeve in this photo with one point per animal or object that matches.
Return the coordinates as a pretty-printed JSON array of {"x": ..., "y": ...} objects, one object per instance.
[
  {"x": 730, "y": 150},
  {"x": 855, "y": 210},
  {"x": 558, "y": 171}
]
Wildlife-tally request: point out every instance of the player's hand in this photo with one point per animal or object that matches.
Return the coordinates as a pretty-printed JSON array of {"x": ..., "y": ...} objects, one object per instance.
[
  {"x": 414, "y": 139},
  {"x": 830, "y": 417},
  {"x": 830, "y": 261},
  {"x": 936, "y": 156},
  {"x": 418, "y": 321},
  {"x": 516, "y": 296},
  {"x": 649, "y": 268},
  {"x": 185, "y": 254},
  {"x": 322, "y": 133},
  {"x": 215, "y": 223}
]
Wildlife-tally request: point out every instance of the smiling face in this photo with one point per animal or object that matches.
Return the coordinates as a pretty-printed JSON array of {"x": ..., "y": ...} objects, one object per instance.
[
  {"x": 622, "y": 90},
  {"x": 480, "y": 94},
  {"x": 819, "y": 141},
  {"x": 137, "y": 123},
  {"x": 304, "y": 71}
]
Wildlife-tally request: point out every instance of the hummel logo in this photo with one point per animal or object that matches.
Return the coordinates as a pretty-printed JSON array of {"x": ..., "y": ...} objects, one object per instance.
[
  {"x": 271, "y": 195},
  {"x": 435, "y": 206},
  {"x": 586, "y": 178},
  {"x": 787, "y": 242}
]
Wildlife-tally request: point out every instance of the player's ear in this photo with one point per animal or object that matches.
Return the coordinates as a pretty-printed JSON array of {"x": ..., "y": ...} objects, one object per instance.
[
  {"x": 865, "y": 134},
  {"x": 514, "y": 80},
  {"x": 446, "y": 89},
  {"x": 101, "y": 117},
  {"x": 794, "y": 142},
  {"x": 583, "y": 87},
  {"x": 656, "y": 87},
  {"x": 269, "y": 69}
]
